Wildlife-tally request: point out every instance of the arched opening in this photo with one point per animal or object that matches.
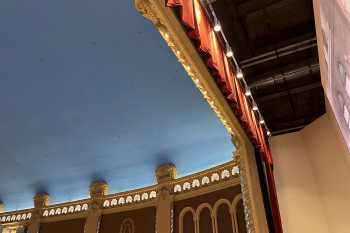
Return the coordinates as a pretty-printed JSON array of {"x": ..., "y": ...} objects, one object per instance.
[
  {"x": 205, "y": 221},
  {"x": 188, "y": 225},
  {"x": 224, "y": 219}
]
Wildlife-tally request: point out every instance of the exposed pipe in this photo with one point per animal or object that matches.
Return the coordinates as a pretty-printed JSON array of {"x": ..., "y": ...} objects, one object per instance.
[
  {"x": 284, "y": 51},
  {"x": 290, "y": 75}
]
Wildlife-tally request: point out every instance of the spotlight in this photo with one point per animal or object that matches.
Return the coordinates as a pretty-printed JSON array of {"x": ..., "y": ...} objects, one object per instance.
[
  {"x": 262, "y": 122},
  {"x": 248, "y": 93},
  {"x": 268, "y": 133},
  {"x": 217, "y": 27},
  {"x": 239, "y": 74},
  {"x": 255, "y": 108},
  {"x": 229, "y": 53}
]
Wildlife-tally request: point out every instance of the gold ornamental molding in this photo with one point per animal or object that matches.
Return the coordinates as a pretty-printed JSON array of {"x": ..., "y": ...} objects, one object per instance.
[
  {"x": 166, "y": 22},
  {"x": 217, "y": 178}
]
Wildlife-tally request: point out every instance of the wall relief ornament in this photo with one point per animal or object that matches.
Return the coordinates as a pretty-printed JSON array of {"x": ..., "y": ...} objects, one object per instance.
[{"x": 127, "y": 226}]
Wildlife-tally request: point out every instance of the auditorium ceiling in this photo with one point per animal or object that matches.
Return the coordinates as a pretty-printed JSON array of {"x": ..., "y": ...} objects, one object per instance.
[
  {"x": 89, "y": 91},
  {"x": 275, "y": 44}
]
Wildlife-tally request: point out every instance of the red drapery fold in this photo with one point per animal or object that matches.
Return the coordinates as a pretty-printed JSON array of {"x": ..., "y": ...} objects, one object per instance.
[
  {"x": 187, "y": 15},
  {"x": 199, "y": 28}
]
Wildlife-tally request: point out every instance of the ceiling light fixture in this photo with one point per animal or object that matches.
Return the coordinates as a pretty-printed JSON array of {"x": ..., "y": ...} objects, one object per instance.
[
  {"x": 262, "y": 122},
  {"x": 240, "y": 74},
  {"x": 248, "y": 93},
  {"x": 268, "y": 133},
  {"x": 229, "y": 53},
  {"x": 255, "y": 108},
  {"x": 217, "y": 27}
]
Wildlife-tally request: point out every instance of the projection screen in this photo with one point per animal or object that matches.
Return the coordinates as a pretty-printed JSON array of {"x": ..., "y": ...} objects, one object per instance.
[{"x": 333, "y": 36}]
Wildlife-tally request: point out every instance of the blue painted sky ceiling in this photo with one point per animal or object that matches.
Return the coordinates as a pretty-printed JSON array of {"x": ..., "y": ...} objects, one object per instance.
[{"x": 89, "y": 90}]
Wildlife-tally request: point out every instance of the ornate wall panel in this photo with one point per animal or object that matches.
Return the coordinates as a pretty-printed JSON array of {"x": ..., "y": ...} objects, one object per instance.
[
  {"x": 140, "y": 220},
  {"x": 212, "y": 212},
  {"x": 68, "y": 226}
]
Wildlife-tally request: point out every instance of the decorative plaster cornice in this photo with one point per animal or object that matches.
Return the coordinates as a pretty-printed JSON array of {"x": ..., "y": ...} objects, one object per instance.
[
  {"x": 219, "y": 177},
  {"x": 173, "y": 34},
  {"x": 130, "y": 198},
  {"x": 220, "y": 174},
  {"x": 144, "y": 7},
  {"x": 175, "y": 37},
  {"x": 16, "y": 216},
  {"x": 66, "y": 208}
]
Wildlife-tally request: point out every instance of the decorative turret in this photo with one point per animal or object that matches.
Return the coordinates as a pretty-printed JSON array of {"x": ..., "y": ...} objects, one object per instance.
[
  {"x": 2, "y": 207},
  {"x": 41, "y": 200},
  {"x": 98, "y": 190},
  {"x": 166, "y": 173}
]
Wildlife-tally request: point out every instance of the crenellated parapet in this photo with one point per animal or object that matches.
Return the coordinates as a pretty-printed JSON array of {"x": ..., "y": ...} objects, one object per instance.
[
  {"x": 219, "y": 175},
  {"x": 66, "y": 209},
  {"x": 16, "y": 216},
  {"x": 139, "y": 196}
]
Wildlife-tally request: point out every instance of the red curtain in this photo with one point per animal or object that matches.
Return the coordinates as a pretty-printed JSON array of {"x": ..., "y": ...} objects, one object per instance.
[{"x": 200, "y": 30}]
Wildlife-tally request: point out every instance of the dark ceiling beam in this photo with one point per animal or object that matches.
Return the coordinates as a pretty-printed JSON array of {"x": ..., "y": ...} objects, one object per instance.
[
  {"x": 252, "y": 6},
  {"x": 287, "y": 130},
  {"x": 234, "y": 27},
  {"x": 241, "y": 24},
  {"x": 287, "y": 35},
  {"x": 281, "y": 52},
  {"x": 290, "y": 91}
]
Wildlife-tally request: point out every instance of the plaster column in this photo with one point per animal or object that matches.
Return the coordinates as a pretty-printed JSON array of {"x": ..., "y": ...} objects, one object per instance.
[
  {"x": 2, "y": 208},
  {"x": 164, "y": 218},
  {"x": 41, "y": 200},
  {"x": 20, "y": 229},
  {"x": 253, "y": 203},
  {"x": 98, "y": 190}
]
